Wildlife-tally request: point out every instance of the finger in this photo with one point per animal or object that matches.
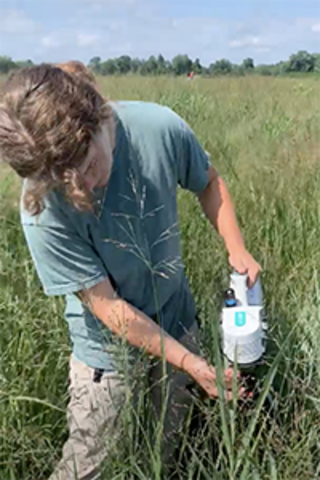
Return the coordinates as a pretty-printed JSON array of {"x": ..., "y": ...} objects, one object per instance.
[
  {"x": 212, "y": 392},
  {"x": 236, "y": 263},
  {"x": 230, "y": 385},
  {"x": 229, "y": 394},
  {"x": 251, "y": 280},
  {"x": 242, "y": 392},
  {"x": 253, "y": 275},
  {"x": 230, "y": 373},
  {"x": 230, "y": 379},
  {"x": 240, "y": 268}
]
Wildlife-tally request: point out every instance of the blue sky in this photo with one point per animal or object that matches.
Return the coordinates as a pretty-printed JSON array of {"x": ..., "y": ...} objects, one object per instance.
[{"x": 266, "y": 30}]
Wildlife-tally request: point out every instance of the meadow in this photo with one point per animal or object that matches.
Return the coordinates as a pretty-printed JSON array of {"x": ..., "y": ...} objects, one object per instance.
[{"x": 263, "y": 135}]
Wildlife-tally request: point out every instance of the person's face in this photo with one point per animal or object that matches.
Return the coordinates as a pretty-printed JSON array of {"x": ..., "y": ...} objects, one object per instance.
[{"x": 95, "y": 170}]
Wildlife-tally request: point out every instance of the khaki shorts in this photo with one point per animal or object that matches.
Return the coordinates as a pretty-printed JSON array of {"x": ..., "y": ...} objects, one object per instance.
[{"x": 95, "y": 407}]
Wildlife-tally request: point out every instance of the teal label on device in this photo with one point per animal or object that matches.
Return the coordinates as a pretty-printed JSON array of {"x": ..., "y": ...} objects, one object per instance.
[{"x": 240, "y": 319}]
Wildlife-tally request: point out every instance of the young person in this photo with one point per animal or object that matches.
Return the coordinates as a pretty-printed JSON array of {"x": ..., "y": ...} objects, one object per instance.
[{"x": 99, "y": 213}]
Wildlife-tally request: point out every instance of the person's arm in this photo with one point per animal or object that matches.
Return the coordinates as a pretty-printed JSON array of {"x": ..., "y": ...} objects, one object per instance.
[
  {"x": 196, "y": 174},
  {"x": 217, "y": 205},
  {"x": 126, "y": 321},
  {"x": 67, "y": 264},
  {"x": 140, "y": 331}
]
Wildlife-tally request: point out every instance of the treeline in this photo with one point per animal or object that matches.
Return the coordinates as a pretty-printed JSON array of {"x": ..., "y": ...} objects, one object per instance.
[
  {"x": 7, "y": 64},
  {"x": 302, "y": 61}
]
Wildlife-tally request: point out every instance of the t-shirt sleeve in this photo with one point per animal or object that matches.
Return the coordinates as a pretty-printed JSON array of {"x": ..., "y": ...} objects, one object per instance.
[
  {"x": 193, "y": 161},
  {"x": 65, "y": 262}
]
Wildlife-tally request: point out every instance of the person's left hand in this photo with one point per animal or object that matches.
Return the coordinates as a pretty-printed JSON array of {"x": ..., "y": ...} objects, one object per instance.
[{"x": 241, "y": 260}]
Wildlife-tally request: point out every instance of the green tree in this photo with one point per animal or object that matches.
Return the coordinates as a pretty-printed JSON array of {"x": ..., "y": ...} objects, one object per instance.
[
  {"x": 150, "y": 66},
  {"x": 301, "y": 62},
  {"x": 24, "y": 63},
  {"x": 162, "y": 65},
  {"x": 7, "y": 64},
  {"x": 136, "y": 64},
  {"x": 248, "y": 64},
  {"x": 169, "y": 67},
  {"x": 197, "y": 67},
  {"x": 123, "y": 64},
  {"x": 221, "y": 67},
  {"x": 108, "y": 68},
  {"x": 281, "y": 68},
  {"x": 316, "y": 57},
  {"x": 95, "y": 64},
  {"x": 263, "y": 70},
  {"x": 181, "y": 65}
]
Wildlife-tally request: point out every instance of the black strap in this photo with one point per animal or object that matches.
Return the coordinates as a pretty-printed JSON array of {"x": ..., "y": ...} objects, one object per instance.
[{"x": 97, "y": 375}]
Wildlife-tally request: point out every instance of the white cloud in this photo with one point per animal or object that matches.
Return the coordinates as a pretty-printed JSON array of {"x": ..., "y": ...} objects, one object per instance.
[
  {"x": 87, "y": 39},
  {"x": 140, "y": 28},
  {"x": 15, "y": 22},
  {"x": 112, "y": 3},
  {"x": 50, "y": 41},
  {"x": 263, "y": 49},
  {"x": 68, "y": 38},
  {"x": 246, "y": 42},
  {"x": 104, "y": 9}
]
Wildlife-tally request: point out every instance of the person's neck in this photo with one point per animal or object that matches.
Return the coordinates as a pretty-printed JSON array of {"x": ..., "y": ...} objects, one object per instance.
[{"x": 110, "y": 123}]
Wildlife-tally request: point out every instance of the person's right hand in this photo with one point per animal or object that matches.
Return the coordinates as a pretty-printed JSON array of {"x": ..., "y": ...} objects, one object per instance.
[{"x": 205, "y": 375}]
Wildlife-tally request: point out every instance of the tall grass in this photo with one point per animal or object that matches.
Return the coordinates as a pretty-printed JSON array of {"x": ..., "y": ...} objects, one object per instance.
[{"x": 263, "y": 135}]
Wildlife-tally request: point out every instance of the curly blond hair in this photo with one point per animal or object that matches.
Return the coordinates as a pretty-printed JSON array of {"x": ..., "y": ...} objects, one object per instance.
[
  {"x": 47, "y": 120},
  {"x": 78, "y": 69}
]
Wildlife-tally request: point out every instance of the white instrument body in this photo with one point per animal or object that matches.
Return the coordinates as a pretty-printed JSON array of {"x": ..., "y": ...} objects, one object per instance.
[{"x": 243, "y": 327}]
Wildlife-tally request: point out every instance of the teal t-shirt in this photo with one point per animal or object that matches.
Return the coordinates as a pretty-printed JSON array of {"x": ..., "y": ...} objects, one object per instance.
[{"x": 133, "y": 236}]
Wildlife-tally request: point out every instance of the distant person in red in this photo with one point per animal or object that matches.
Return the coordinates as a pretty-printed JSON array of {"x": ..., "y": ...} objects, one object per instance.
[{"x": 191, "y": 75}]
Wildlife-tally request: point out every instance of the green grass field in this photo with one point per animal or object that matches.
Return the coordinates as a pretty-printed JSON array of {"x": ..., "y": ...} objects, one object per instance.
[{"x": 264, "y": 136}]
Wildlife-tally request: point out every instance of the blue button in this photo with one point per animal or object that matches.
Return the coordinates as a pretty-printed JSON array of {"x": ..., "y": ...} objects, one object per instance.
[{"x": 240, "y": 319}]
